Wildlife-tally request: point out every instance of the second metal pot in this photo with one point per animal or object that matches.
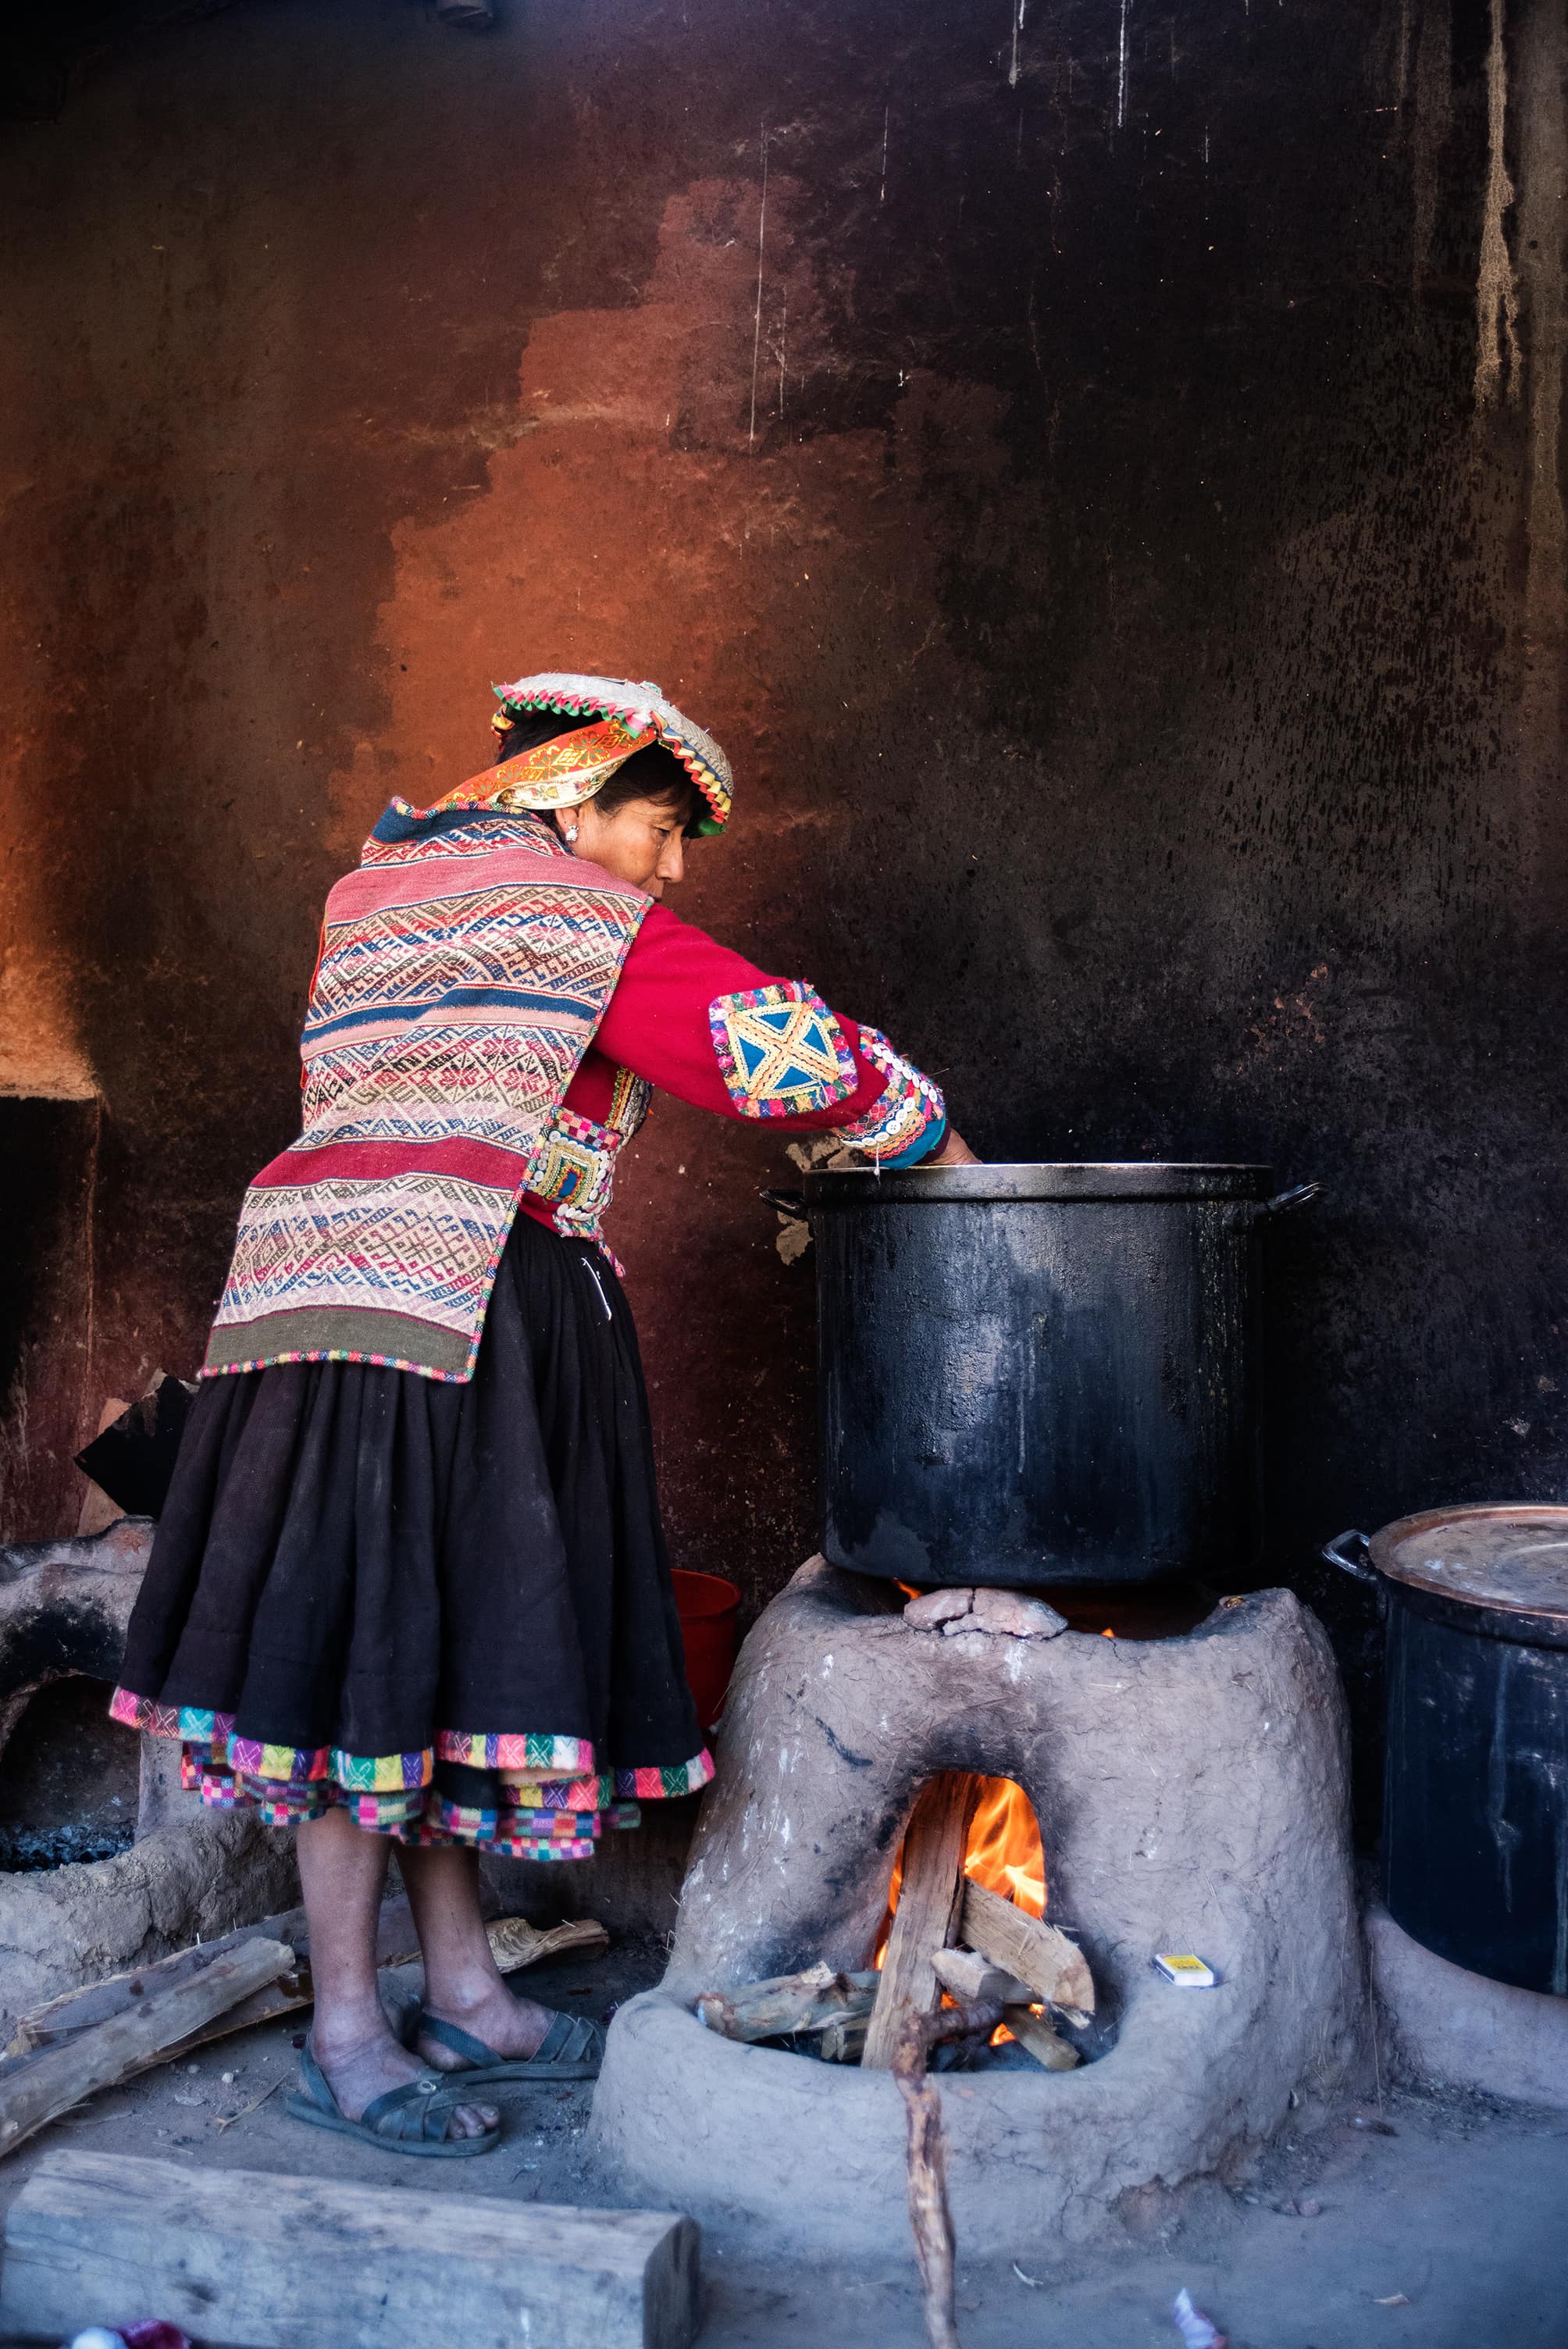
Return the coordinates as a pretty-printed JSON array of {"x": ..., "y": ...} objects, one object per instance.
[{"x": 1475, "y": 1784}]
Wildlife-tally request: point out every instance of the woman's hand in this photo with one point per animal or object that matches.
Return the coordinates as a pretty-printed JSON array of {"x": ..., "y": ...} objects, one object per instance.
[{"x": 954, "y": 1152}]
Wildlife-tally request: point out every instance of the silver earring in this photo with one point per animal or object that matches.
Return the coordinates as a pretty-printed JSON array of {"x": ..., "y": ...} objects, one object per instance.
[{"x": 570, "y": 831}]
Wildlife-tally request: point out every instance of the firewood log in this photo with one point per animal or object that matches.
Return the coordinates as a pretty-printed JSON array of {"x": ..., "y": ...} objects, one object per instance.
[
  {"x": 264, "y": 2257},
  {"x": 1054, "y": 1968},
  {"x": 966, "y": 1974},
  {"x": 1035, "y": 2033},
  {"x": 48, "y": 2083},
  {"x": 843, "y": 2041},
  {"x": 928, "y": 1906},
  {"x": 787, "y": 2003}
]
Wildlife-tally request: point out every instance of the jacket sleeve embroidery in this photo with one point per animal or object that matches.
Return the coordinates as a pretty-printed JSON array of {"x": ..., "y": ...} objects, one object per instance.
[
  {"x": 780, "y": 1051},
  {"x": 574, "y": 1168},
  {"x": 906, "y": 1123}
]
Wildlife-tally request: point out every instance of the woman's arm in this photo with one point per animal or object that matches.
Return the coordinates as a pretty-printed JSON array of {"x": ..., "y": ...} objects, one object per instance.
[{"x": 704, "y": 1023}]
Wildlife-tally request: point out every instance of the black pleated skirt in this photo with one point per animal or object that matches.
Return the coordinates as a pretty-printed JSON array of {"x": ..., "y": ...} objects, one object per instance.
[{"x": 448, "y": 1608}]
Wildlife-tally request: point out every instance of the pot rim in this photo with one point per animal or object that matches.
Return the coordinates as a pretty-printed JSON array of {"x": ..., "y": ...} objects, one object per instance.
[
  {"x": 1069, "y": 1180},
  {"x": 1479, "y": 1610}
]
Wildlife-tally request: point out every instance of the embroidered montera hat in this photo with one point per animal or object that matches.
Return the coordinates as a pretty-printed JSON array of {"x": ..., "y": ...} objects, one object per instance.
[{"x": 627, "y": 718}]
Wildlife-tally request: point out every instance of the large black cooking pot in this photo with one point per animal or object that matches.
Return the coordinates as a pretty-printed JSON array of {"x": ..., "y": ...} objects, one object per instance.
[
  {"x": 1041, "y": 1374},
  {"x": 1475, "y": 1786}
]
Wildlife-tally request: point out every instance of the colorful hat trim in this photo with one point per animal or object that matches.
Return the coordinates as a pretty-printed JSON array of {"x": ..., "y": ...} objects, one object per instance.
[
  {"x": 561, "y": 773},
  {"x": 638, "y": 707}
]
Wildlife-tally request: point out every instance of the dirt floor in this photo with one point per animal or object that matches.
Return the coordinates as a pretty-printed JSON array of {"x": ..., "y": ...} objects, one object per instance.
[{"x": 1441, "y": 2226}]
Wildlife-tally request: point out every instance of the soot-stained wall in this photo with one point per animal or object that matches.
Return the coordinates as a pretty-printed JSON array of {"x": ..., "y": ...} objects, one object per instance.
[{"x": 1096, "y": 467}]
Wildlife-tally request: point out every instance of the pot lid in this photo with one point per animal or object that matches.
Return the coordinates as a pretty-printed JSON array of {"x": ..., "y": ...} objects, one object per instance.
[
  {"x": 1067, "y": 1179},
  {"x": 1512, "y": 1556}
]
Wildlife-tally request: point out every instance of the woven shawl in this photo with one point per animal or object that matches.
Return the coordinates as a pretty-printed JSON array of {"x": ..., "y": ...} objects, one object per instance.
[{"x": 464, "y": 968}]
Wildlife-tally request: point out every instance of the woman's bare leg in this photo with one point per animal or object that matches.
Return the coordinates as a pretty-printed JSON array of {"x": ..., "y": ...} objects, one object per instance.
[
  {"x": 343, "y": 1870},
  {"x": 461, "y": 1983}
]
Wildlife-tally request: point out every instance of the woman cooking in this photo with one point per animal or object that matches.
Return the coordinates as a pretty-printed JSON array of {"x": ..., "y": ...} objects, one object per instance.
[{"x": 410, "y": 1585}]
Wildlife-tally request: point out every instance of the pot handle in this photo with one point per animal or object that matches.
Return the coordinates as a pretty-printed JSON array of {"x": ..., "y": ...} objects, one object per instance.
[
  {"x": 1283, "y": 1202},
  {"x": 1337, "y": 1552},
  {"x": 789, "y": 1203}
]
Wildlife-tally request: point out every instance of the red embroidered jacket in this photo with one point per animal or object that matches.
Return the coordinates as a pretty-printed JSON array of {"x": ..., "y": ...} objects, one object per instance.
[
  {"x": 660, "y": 1028},
  {"x": 487, "y": 1018}
]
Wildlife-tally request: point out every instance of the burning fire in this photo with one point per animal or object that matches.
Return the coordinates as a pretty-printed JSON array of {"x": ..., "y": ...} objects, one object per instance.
[{"x": 1005, "y": 1852}]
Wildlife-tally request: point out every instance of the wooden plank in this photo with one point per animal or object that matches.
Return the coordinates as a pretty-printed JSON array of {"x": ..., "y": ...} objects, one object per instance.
[
  {"x": 786, "y": 2003},
  {"x": 58, "y": 2077},
  {"x": 1054, "y": 1969},
  {"x": 928, "y": 1906},
  {"x": 276, "y": 2262},
  {"x": 1033, "y": 2033}
]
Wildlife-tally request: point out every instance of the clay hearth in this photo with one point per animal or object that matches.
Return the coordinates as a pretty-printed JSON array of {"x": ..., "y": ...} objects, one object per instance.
[
  {"x": 1191, "y": 1794},
  {"x": 188, "y": 1874}
]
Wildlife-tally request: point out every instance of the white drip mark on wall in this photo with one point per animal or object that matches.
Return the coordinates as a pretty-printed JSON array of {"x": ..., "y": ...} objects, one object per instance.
[
  {"x": 887, "y": 126},
  {"x": 783, "y": 326},
  {"x": 757, "y": 332},
  {"x": 1018, "y": 29},
  {"x": 1496, "y": 298},
  {"x": 1121, "y": 70}
]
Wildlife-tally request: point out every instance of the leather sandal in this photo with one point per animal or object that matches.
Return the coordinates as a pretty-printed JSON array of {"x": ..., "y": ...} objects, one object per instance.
[
  {"x": 571, "y": 2049},
  {"x": 411, "y": 2119}
]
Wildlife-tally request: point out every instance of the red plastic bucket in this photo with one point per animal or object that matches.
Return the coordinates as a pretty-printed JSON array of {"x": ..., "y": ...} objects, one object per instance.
[{"x": 708, "y": 1606}]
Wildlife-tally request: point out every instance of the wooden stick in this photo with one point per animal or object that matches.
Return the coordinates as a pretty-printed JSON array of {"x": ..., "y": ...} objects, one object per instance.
[
  {"x": 57, "y": 2078},
  {"x": 1054, "y": 1969},
  {"x": 927, "y": 1911},
  {"x": 514, "y": 1941},
  {"x": 929, "y": 2216}
]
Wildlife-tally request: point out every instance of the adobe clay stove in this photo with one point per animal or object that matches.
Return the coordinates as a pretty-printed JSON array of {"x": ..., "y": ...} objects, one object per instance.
[
  {"x": 1043, "y": 1356},
  {"x": 1191, "y": 1795}
]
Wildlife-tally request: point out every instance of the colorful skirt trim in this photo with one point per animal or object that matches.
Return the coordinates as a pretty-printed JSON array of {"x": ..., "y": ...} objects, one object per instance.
[{"x": 551, "y": 1803}]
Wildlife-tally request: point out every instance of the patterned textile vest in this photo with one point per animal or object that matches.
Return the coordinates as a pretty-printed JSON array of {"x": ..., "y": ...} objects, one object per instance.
[{"x": 464, "y": 968}]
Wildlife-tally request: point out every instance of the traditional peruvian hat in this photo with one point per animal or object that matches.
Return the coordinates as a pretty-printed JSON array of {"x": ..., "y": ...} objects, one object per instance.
[{"x": 573, "y": 767}]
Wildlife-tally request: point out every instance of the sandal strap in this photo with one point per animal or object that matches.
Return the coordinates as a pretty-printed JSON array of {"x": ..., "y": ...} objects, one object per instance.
[
  {"x": 460, "y": 2042},
  {"x": 571, "y": 2039},
  {"x": 412, "y": 2111},
  {"x": 408, "y": 2112}
]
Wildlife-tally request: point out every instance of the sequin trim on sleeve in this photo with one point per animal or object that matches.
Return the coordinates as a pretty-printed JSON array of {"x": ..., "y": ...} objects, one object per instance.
[{"x": 909, "y": 1111}]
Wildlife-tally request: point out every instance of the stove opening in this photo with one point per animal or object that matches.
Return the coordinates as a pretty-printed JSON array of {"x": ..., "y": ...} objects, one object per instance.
[
  {"x": 1002, "y": 1851},
  {"x": 69, "y": 1780},
  {"x": 970, "y": 1881}
]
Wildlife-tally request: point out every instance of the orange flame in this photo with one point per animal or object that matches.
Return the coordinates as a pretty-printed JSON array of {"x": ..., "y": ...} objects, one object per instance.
[{"x": 1004, "y": 1851}]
